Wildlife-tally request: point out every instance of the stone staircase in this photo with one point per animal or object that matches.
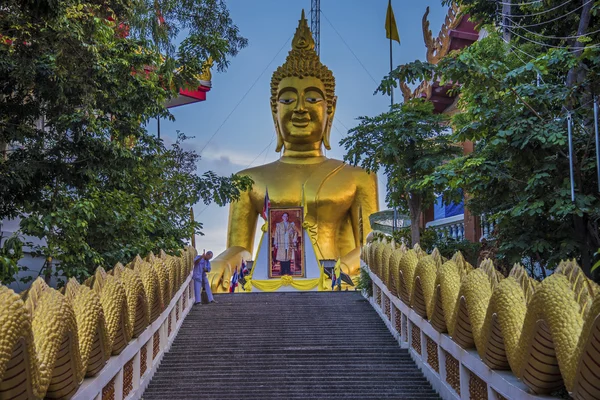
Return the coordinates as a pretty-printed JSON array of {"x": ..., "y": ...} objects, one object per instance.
[{"x": 287, "y": 346}]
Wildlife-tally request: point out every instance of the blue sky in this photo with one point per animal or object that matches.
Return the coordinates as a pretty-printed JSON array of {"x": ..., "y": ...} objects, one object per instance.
[{"x": 353, "y": 46}]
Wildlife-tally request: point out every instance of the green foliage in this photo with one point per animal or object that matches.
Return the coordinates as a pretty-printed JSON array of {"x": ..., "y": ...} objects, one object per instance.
[
  {"x": 408, "y": 143},
  {"x": 11, "y": 252},
  {"x": 80, "y": 81},
  {"x": 365, "y": 284},
  {"x": 446, "y": 245},
  {"x": 428, "y": 238},
  {"x": 597, "y": 264},
  {"x": 514, "y": 99}
]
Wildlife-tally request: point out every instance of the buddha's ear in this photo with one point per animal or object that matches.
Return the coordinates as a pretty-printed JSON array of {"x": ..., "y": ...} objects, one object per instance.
[
  {"x": 330, "y": 115},
  {"x": 278, "y": 133}
]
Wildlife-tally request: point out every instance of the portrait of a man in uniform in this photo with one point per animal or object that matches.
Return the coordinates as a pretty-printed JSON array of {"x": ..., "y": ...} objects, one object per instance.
[{"x": 285, "y": 238}]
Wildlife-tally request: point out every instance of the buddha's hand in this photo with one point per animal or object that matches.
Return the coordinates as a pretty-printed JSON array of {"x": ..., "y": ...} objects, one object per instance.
[
  {"x": 222, "y": 268},
  {"x": 350, "y": 263}
]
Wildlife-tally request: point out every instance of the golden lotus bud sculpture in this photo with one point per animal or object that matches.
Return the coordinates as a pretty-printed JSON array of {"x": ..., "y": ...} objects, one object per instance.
[
  {"x": 547, "y": 333},
  {"x": 49, "y": 341}
]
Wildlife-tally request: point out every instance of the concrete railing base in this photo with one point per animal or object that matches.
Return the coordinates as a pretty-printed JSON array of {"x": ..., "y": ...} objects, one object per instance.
[
  {"x": 127, "y": 375},
  {"x": 455, "y": 373}
]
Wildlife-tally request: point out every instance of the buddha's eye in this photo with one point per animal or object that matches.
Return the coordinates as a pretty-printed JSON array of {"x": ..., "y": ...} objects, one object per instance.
[
  {"x": 314, "y": 100},
  {"x": 286, "y": 101}
]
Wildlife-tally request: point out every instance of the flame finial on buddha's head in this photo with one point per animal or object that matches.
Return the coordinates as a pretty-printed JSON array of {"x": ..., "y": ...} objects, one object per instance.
[{"x": 303, "y": 39}]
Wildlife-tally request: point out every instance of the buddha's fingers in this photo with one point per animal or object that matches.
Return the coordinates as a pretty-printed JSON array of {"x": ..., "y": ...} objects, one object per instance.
[
  {"x": 225, "y": 283},
  {"x": 214, "y": 279},
  {"x": 351, "y": 262}
]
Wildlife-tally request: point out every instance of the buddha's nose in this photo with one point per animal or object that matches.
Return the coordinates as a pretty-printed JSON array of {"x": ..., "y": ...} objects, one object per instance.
[{"x": 300, "y": 106}]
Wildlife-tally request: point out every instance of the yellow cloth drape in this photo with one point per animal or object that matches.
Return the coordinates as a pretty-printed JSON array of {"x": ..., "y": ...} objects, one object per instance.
[
  {"x": 271, "y": 285},
  {"x": 337, "y": 269}
]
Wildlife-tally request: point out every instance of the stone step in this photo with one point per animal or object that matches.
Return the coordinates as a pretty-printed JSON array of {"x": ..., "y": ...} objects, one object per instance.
[{"x": 287, "y": 346}]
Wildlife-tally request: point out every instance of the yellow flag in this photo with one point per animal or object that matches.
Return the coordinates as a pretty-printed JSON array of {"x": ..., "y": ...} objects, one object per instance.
[{"x": 391, "y": 30}]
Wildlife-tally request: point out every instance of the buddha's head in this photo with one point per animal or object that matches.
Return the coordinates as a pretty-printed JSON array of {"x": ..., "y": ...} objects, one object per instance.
[{"x": 302, "y": 94}]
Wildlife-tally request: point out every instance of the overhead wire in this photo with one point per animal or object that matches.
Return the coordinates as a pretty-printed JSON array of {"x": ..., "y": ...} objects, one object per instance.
[
  {"x": 520, "y": 4},
  {"x": 554, "y": 37},
  {"x": 349, "y": 48},
  {"x": 546, "y": 44},
  {"x": 204, "y": 209},
  {"x": 236, "y": 106},
  {"x": 245, "y": 94},
  {"x": 263, "y": 150},
  {"x": 538, "y": 13},
  {"x": 551, "y": 20},
  {"x": 259, "y": 154},
  {"x": 564, "y": 108},
  {"x": 548, "y": 36},
  {"x": 268, "y": 147},
  {"x": 342, "y": 124}
]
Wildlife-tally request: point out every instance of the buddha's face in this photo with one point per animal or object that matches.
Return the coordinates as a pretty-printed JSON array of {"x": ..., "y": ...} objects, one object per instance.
[{"x": 301, "y": 110}]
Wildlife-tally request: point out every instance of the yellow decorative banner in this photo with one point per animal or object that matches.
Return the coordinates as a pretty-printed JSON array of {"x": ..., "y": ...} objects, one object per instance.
[{"x": 272, "y": 285}]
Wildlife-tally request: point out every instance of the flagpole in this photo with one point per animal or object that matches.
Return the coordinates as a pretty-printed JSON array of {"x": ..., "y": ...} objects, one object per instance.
[
  {"x": 194, "y": 232},
  {"x": 391, "y": 87},
  {"x": 391, "y": 67}
]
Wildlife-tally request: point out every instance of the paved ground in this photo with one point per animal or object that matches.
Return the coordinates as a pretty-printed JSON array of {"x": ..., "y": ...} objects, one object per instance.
[{"x": 287, "y": 346}]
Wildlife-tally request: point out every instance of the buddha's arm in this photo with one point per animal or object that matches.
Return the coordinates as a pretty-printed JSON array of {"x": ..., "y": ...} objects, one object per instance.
[
  {"x": 242, "y": 223},
  {"x": 240, "y": 239},
  {"x": 366, "y": 202}
]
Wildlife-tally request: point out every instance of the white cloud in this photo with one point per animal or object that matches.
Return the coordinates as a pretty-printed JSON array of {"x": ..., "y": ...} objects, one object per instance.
[{"x": 232, "y": 156}]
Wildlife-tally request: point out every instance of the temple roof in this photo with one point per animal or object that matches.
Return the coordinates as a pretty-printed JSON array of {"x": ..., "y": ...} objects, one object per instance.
[{"x": 456, "y": 33}]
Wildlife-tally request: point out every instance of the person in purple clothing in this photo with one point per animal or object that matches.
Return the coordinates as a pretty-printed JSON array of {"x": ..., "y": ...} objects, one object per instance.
[{"x": 201, "y": 267}]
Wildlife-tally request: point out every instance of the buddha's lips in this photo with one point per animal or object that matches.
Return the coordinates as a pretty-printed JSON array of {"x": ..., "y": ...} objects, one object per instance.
[{"x": 300, "y": 122}]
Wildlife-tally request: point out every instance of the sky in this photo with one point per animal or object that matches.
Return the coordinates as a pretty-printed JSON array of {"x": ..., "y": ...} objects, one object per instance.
[{"x": 236, "y": 113}]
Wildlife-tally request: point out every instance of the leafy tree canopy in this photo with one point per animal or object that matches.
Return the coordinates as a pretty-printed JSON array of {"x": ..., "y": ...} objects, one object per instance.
[
  {"x": 79, "y": 82},
  {"x": 517, "y": 86},
  {"x": 408, "y": 143}
]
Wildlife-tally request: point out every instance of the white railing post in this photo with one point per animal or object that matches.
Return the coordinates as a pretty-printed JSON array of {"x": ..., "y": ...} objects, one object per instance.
[
  {"x": 464, "y": 381},
  {"x": 450, "y": 227},
  {"x": 119, "y": 385},
  {"x": 136, "y": 372}
]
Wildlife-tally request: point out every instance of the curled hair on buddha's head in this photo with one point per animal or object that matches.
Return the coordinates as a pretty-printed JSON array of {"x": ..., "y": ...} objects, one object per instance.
[{"x": 303, "y": 61}]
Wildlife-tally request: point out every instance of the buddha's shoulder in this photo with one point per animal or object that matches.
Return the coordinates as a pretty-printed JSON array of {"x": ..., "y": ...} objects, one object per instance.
[
  {"x": 354, "y": 170},
  {"x": 355, "y": 173},
  {"x": 267, "y": 171}
]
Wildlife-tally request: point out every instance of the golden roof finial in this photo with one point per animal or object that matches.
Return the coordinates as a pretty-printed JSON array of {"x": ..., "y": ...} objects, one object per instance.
[{"x": 206, "y": 74}]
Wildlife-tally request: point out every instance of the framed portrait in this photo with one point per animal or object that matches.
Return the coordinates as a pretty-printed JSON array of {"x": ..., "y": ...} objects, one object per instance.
[{"x": 286, "y": 247}]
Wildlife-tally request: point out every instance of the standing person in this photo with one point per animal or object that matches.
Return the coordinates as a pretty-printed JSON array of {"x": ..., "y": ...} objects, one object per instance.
[
  {"x": 285, "y": 241},
  {"x": 201, "y": 267}
]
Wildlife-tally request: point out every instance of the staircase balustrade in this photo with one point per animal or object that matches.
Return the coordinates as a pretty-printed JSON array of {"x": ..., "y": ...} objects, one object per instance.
[
  {"x": 149, "y": 349},
  {"x": 455, "y": 373},
  {"x": 451, "y": 227},
  {"x": 113, "y": 328}
]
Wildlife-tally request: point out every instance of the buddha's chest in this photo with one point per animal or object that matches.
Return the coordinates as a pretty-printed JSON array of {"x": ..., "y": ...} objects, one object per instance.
[{"x": 326, "y": 194}]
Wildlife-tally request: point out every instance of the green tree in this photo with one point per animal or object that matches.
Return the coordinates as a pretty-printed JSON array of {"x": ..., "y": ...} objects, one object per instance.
[
  {"x": 408, "y": 143},
  {"x": 517, "y": 87},
  {"x": 79, "y": 82}
]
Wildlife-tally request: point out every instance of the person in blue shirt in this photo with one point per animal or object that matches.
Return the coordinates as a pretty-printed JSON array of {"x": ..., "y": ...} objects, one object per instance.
[{"x": 201, "y": 267}]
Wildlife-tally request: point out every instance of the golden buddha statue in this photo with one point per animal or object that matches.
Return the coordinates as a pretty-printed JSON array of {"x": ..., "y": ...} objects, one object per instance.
[{"x": 337, "y": 198}]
